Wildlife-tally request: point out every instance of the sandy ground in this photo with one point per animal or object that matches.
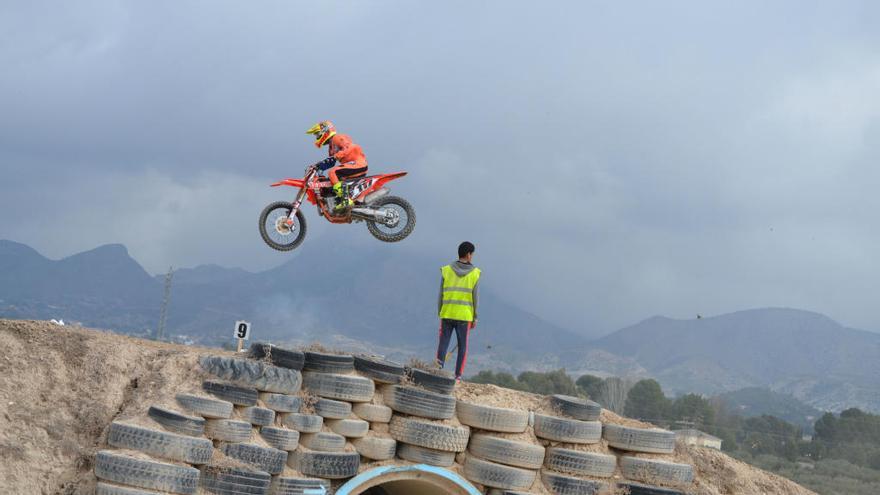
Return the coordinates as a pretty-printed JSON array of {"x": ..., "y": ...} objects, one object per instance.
[{"x": 60, "y": 387}]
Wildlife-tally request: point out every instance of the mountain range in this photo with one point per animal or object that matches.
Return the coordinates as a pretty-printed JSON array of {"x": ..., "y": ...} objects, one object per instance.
[
  {"x": 384, "y": 299},
  {"x": 800, "y": 353}
]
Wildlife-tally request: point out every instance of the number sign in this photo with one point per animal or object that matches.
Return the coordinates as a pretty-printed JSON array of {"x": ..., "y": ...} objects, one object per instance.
[{"x": 242, "y": 330}]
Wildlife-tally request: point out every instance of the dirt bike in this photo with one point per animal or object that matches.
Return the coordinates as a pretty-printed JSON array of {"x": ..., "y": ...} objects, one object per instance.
[{"x": 388, "y": 218}]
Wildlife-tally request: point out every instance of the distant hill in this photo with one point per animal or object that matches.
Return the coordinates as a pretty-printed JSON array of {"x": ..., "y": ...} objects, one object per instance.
[
  {"x": 380, "y": 296},
  {"x": 755, "y": 401},
  {"x": 204, "y": 274},
  {"x": 800, "y": 353},
  {"x": 103, "y": 287}
]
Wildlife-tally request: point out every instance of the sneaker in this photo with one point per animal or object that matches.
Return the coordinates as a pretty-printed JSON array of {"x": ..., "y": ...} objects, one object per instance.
[{"x": 457, "y": 380}]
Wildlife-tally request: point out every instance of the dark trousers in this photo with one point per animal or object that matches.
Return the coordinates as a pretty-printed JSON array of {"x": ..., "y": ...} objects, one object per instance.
[{"x": 461, "y": 329}]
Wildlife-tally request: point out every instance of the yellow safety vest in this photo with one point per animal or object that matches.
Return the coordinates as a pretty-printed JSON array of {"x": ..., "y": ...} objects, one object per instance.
[{"x": 458, "y": 294}]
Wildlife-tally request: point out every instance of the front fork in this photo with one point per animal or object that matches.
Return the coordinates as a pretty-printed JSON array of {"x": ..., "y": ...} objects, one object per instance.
[{"x": 296, "y": 204}]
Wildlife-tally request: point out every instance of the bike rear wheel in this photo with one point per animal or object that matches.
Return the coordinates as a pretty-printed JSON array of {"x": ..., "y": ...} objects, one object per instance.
[
  {"x": 275, "y": 231},
  {"x": 400, "y": 222}
]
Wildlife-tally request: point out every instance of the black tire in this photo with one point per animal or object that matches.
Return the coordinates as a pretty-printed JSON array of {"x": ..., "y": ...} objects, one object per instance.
[
  {"x": 290, "y": 485},
  {"x": 651, "y": 440},
  {"x": 236, "y": 394},
  {"x": 657, "y": 472},
  {"x": 159, "y": 443},
  {"x": 280, "y": 438},
  {"x": 504, "y": 451},
  {"x": 349, "y": 428},
  {"x": 303, "y": 423},
  {"x": 378, "y": 369},
  {"x": 256, "y": 374},
  {"x": 300, "y": 225},
  {"x": 281, "y": 402},
  {"x": 126, "y": 470},
  {"x": 207, "y": 407},
  {"x": 381, "y": 377},
  {"x": 235, "y": 481},
  {"x": 640, "y": 489},
  {"x": 278, "y": 356},
  {"x": 375, "y": 448},
  {"x": 351, "y": 388},
  {"x": 561, "y": 484},
  {"x": 374, "y": 413},
  {"x": 435, "y": 380},
  {"x": 323, "y": 362},
  {"x": 492, "y": 418},
  {"x": 567, "y": 430},
  {"x": 332, "y": 409},
  {"x": 497, "y": 475},
  {"x": 263, "y": 458},
  {"x": 330, "y": 465},
  {"x": 259, "y": 416},
  {"x": 323, "y": 441},
  {"x": 423, "y": 455},
  {"x": 228, "y": 430},
  {"x": 419, "y": 402},
  {"x": 107, "y": 489},
  {"x": 576, "y": 407},
  {"x": 429, "y": 435},
  {"x": 402, "y": 206},
  {"x": 579, "y": 463},
  {"x": 193, "y": 426}
]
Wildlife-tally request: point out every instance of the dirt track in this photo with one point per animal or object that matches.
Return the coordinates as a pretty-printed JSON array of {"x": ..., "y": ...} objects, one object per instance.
[{"x": 60, "y": 387}]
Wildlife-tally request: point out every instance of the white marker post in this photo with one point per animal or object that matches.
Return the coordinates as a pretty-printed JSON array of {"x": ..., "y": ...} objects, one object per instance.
[{"x": 242, "y": 332}]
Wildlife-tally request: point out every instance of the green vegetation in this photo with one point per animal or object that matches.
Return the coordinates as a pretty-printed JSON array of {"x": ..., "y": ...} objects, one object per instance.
[
  {"x": 756, "y": 401},
  {"x": 827, "y": 477},
  {"x": 842, "y": 457},
  {"x": 853, "y": 436},
  {"x": 646, "y": 401},
  {"x": 590, "y": 385}
]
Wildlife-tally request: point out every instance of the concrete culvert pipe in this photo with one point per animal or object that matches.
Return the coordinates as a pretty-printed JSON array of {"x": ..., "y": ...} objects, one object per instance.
[{"x": 408, "y": 480}]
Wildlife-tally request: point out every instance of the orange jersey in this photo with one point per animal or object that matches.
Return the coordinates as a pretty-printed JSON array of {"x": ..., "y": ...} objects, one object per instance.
[{"x": 345, "y": 150}]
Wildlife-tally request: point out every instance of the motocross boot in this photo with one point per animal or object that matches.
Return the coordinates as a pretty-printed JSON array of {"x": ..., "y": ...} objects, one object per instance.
[{"x": 342, "y": 199}]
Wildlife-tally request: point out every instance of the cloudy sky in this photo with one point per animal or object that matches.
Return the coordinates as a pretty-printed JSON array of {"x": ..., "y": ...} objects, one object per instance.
[{"x": 611, "y": 160}]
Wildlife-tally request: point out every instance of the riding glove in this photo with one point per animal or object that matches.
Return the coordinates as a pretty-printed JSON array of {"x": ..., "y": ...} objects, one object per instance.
[{"x": 326, "y": 163}]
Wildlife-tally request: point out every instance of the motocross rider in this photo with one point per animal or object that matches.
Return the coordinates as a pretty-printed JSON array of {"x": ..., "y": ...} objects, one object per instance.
[{"x": 351, "y": 158}]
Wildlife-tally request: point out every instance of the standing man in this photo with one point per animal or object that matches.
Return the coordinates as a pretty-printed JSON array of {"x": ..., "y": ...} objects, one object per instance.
[{"x": 457, "y": 305}]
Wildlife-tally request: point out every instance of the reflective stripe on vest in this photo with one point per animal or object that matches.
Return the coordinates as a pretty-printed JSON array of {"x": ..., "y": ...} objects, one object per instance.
[{"x": 458, "y": 294}]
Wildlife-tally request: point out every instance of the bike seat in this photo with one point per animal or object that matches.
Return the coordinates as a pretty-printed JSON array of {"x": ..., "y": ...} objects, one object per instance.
[{"x": 355, "y": 180}]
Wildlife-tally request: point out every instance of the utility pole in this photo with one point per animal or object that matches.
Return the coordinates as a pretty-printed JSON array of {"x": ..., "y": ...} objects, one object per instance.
[{"x": 166, "y": 298}]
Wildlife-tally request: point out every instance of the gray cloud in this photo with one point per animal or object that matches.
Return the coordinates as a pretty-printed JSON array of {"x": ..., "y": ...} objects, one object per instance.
[{"x": 612, "y": 161}]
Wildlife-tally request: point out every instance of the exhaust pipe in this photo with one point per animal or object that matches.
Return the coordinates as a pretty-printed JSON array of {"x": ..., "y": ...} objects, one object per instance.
[
  {"x": 375, "y": 195},
  {"x": 366, "y": 213}
]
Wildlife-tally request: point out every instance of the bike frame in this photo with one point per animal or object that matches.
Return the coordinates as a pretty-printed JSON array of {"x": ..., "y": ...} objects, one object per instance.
[{"x": 310, "y": 189}]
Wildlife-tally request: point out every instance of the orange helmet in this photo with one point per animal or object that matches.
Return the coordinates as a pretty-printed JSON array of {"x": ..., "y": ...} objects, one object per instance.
[{"x": 324, "y": 131}]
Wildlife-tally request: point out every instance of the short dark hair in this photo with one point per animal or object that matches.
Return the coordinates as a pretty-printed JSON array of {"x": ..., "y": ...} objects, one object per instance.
[{"x": 465, "y": 248}]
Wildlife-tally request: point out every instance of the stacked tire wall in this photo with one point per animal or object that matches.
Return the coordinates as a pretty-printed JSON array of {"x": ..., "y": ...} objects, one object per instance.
[{"x": 284, "y": 422}]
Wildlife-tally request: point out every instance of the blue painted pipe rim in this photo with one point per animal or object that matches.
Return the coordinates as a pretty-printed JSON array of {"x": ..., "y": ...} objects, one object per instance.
[{"x": 362, "y": 478}]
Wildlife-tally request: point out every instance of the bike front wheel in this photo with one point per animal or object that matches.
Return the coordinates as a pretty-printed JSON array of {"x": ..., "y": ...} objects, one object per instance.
[{"x": 275, "y": 230}]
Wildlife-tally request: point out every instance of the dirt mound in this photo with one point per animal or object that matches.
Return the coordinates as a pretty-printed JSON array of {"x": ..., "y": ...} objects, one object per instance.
[{"x": 61, "y": 387}]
